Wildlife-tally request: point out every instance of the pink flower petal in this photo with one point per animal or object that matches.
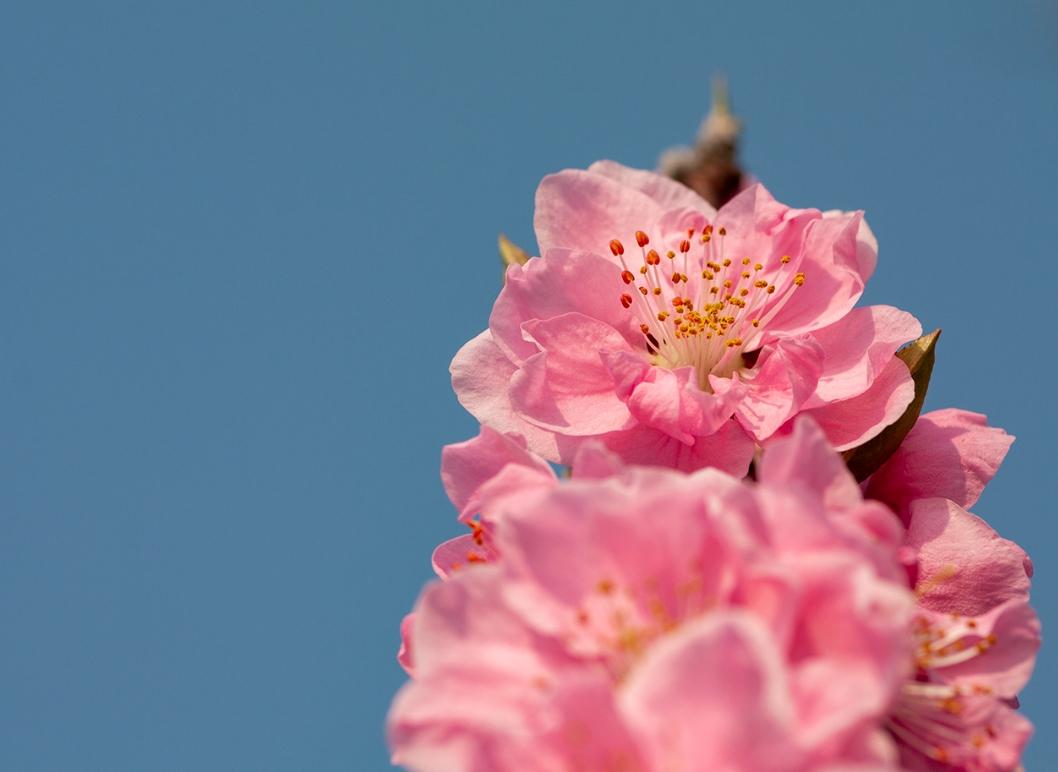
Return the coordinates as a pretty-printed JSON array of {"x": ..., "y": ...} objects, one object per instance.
[
  {"x": 784, "y": 379},
  {"x": 858, "y": 347},
  {"x": 803, "y": 458},
  {"x": 469, "y": 465},
  {"x": 480, "y": 377},
  {"x": 579, "y": 209},
  {"x": 833, "y": 277},
  {"x": 561, "y": 281},
  {"x": 730, "y": 449},
  {"x": 964, "y": 566},
  {"x": 948, "y": 453},
  {"x": 668, "y": 193},
  {"x": 668, "y": 700},
  {"x": 567, "y": 388},
  {"x": 852, "y": 422}
]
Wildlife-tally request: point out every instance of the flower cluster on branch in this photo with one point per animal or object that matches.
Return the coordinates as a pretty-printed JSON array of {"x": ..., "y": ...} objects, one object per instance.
[{"x": 761, "y": 557}]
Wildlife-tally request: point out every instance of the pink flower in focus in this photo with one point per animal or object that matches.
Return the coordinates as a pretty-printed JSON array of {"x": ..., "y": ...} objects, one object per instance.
[
  {"x": 655, "y": 620},
  {"x": 681, "y": 336},
  {"x": 948, "y": 453},
  {"x": 976, "y": 634}
]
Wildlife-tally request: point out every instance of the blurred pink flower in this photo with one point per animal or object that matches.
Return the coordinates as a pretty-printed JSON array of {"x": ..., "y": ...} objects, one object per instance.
[
  {"x": 722, "y": 328},
  {"x": 976, "y": 636},
  {"x": 655, "y": 620}
]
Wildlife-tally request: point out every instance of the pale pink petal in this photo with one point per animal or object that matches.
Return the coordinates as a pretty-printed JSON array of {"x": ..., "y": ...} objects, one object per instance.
[
  {"x": 480, "y": 377},
  {"x": 964, "y": 566},
  {"x": 669, "y": 702},
  {"x": 948, "y": 453},
  {"x": 579, "y": 209},
  {"x": 852, "y": 422},
  {"x": 665, "y": 191},
  {"x": 567, "y": 388},
  {"x": 866, "y": 245},
  {"x": 561, "y": 281},
  {"x": 784, "y": 379},
  {"x": 858, "y": 347}
]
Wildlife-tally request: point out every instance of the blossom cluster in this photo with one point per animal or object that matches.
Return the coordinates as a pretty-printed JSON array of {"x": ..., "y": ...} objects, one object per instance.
[{"x": 670, "y": 560}]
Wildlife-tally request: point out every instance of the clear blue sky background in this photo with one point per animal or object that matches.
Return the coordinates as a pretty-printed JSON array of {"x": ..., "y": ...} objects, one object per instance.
[{"x": 240, "y": 241}]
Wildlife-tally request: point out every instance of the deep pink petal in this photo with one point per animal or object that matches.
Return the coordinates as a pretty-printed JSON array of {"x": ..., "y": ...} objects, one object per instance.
[{"x": 948, "y": 453}]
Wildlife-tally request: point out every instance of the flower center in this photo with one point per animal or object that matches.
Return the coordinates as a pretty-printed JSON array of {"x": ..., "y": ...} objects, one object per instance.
[
  {"x": 947, "y": 722},
  {"x": 703, "y": 310},
  {"x": 621, "y": 621}
]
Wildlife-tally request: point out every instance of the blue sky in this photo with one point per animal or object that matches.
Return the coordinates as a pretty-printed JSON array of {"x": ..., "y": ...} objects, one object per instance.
[{"x": 241, "y": 242}]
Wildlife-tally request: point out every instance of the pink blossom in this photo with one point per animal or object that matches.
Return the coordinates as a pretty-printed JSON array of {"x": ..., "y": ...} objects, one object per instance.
[
  {"x": 483, "y": 476},
  {"x": 948, "y": 453},
  {"x": 681, "y": 336},
  {"x": 975, "y": 636},
  {"x": 654, "y": 620}
]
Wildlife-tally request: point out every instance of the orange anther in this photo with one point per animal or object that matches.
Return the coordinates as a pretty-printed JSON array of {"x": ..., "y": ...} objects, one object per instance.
[
  {"x": 642, "y": 239},
  {"x": 617, "y": 247},
  {"x": 627, "y": 277},
  {"x": 626, "y": 300},
  {"x": 685, "y": 246}
]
